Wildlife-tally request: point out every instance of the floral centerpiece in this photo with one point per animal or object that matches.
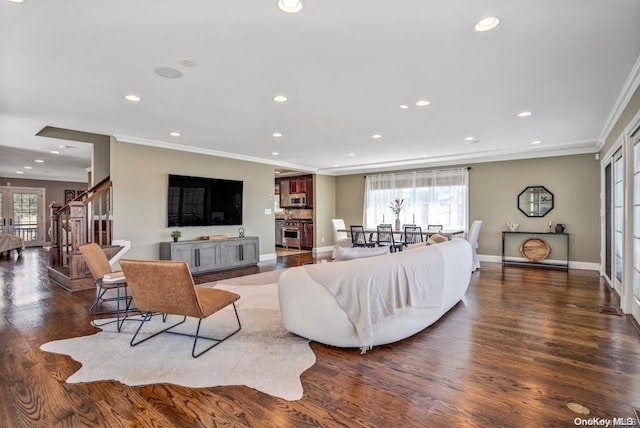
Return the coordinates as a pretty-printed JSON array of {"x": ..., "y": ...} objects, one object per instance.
[{"x": 396, "y": 206}]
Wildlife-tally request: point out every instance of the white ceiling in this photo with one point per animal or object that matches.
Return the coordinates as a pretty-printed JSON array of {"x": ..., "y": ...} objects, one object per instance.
[{"x": 346, "y": 67}]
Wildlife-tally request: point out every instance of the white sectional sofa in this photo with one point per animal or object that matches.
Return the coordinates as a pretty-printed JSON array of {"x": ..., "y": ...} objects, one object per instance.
[{"x": 376, "y": 300}]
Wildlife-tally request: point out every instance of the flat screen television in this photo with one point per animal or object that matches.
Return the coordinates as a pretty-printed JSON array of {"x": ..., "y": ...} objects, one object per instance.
[{"x": 199, "y": 201}]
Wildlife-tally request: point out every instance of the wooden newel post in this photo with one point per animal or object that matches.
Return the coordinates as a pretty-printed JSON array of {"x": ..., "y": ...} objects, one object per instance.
[
  {"x": 76, "y": 225},
  {"x": 55, "y": 255}
]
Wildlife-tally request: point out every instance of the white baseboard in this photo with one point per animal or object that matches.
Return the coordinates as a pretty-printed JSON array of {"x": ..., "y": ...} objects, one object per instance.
[
  {"x": 572, "y": 264},
  {"x": 271, "y": 257},
  {"x": 319, "y": 250}
]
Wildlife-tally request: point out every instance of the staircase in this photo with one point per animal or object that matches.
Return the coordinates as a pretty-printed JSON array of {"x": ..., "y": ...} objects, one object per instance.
[{"x": 85, "y": 219}]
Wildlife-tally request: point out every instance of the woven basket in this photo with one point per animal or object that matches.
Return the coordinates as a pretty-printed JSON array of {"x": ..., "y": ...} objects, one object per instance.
[{"x": 535, "y": 249}]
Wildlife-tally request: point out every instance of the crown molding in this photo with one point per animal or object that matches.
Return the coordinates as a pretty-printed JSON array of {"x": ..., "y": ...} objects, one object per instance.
[
  {"x": 628, "y": 89},
  {"x": 566, "y": 149},
  {"x": 209, "y": 152}
]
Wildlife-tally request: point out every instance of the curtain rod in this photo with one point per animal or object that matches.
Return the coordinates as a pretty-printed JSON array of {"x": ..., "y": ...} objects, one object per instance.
[{"x": 468, "y": 168}]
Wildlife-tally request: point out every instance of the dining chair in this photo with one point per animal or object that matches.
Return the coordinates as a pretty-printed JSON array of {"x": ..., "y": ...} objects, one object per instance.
[
  {"x": 412, "y": 235},
  {"x": 167, "y": 287},
  {"x": 359, "y": 238},
  {"x": 385, "y": 238},
  {"x": 340, "y": 237},
  {"x": 434, "y": 228},
  {"x": 106, "y": 280}
]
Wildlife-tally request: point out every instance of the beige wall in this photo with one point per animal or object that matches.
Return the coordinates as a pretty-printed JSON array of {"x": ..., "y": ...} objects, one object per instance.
[
  {"x": 627, "y": 115},
  {"x": 100, "y": 161},
  {"x": 54, "y": 190},
  {"x": 324, "y": 209},
  {"x": 139, "y": 175},
  {"x": 493, "y": 191}
]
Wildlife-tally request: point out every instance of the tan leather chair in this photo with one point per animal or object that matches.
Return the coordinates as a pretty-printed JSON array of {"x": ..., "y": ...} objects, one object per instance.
[
  {"x": 99, "y": 266},
  {"x": 167, "y": 287}
]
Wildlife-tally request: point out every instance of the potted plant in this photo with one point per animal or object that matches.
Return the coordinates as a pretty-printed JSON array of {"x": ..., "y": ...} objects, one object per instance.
[{"x": 175, "y": 235}]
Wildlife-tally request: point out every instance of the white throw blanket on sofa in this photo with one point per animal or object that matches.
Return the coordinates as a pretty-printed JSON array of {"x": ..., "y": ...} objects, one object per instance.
[{"x": 376, "y": 289}]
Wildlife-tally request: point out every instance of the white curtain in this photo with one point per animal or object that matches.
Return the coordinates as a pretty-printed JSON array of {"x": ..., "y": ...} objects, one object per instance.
[{"x": 430, "y": 197}]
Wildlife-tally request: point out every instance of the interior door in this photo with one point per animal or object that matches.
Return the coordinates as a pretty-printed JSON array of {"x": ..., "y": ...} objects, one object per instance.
[{"x": 22, "y": 214}]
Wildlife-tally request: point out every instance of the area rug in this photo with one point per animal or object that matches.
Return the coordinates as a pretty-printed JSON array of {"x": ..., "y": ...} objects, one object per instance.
[{"x": 263, "y": 355}]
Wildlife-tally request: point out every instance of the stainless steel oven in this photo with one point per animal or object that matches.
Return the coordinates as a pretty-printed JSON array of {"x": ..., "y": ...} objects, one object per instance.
[{"x": 291, "y": 234}]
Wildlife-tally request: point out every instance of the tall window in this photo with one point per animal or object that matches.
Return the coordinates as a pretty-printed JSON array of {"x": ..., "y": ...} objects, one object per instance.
[
  {"x": 430, "y": 197},
  {"x": 636, "y": 217}
]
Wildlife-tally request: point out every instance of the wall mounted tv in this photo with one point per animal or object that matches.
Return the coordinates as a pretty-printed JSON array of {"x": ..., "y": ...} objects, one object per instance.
[{"x": 197, "y": 201}]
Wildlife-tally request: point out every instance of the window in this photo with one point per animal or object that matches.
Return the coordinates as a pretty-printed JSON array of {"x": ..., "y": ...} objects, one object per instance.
[{"x": 430, "y": 197}]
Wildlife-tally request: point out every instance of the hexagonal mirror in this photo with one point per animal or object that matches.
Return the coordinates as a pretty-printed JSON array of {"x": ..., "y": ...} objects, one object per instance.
[{"x": 535, "y": 201}]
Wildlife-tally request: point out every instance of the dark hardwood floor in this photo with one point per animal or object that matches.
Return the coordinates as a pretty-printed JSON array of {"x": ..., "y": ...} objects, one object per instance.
[{"x": 523, "y": 344}]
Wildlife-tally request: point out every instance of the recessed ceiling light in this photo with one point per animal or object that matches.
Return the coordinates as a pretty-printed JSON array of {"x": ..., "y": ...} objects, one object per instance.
[
  {"x": 290, "y": 6},
  {"x": 280, "y": 98},
  {"x": 376, "y": 136},
  {"x": 336, "y": 166},
  {"x": 423, "y": 103},
  {"x": 524, "y": 114},
  {"x": 277, "y": 172},
  {"x": 277, "y": 134},
  {"x": 133, "y": 98},
  {"x": 536, "y": 142},
  {"x": 55, "y": 152},
  {"x": 16, "y": 1},
  {"x": 39, "y": 161},
  {"x": 275, "y": 153},
  {"x": 19, "y": 172},
  {"x": 487, "y": 24},
  {"x": 27, "y": 167},
  {"x": 469, "y": 139},
  {"x": 174, "y": 134},
  {"x": 351, "y": 154},
  {"x": 404, "y": 106},
  {"x": 423, "y": 156}
]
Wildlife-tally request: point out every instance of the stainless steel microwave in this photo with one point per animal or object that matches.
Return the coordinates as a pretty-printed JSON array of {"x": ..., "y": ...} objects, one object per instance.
[{"x": 297, "y": 200}]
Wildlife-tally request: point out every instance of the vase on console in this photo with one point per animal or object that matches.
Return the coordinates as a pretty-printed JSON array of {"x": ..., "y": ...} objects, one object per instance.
[{"x": 397, "y": 223}]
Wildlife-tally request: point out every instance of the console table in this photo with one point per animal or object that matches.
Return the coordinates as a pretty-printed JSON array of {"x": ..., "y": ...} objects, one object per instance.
[
  {"x": 558, "y": 242},
  {"x": 216, "y": 254}
]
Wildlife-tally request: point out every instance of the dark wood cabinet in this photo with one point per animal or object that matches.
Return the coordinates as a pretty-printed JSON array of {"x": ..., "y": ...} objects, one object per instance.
[
  {"x": 297, "y": 185},
  {"x": 309, "y": 191},
  {"x": 306, "y": 232}
]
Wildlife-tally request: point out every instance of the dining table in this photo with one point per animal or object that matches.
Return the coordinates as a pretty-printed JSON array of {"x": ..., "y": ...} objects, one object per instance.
[{"x": 448, "y": 233}]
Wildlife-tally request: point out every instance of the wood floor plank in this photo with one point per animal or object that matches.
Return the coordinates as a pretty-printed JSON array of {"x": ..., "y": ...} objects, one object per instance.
[{"x": 521, "y": 345}]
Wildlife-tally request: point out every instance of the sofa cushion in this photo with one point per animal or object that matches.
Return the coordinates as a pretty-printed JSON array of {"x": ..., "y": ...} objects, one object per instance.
[{"x": 343, "y": 253}]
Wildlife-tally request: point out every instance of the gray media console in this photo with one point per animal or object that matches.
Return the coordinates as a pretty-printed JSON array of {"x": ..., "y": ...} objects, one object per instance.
[{"x": 210, "y": 255}]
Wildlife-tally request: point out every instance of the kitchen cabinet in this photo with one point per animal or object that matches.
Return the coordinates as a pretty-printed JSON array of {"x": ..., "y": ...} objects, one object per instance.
[
  {"x": 298, "y": 185},
  {"x": 306, "y": 232},
  {"x": 309, "y": 187}
]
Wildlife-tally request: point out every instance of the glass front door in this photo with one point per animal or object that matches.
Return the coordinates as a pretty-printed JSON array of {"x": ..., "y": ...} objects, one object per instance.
[{"x": 22, "y": 214}]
